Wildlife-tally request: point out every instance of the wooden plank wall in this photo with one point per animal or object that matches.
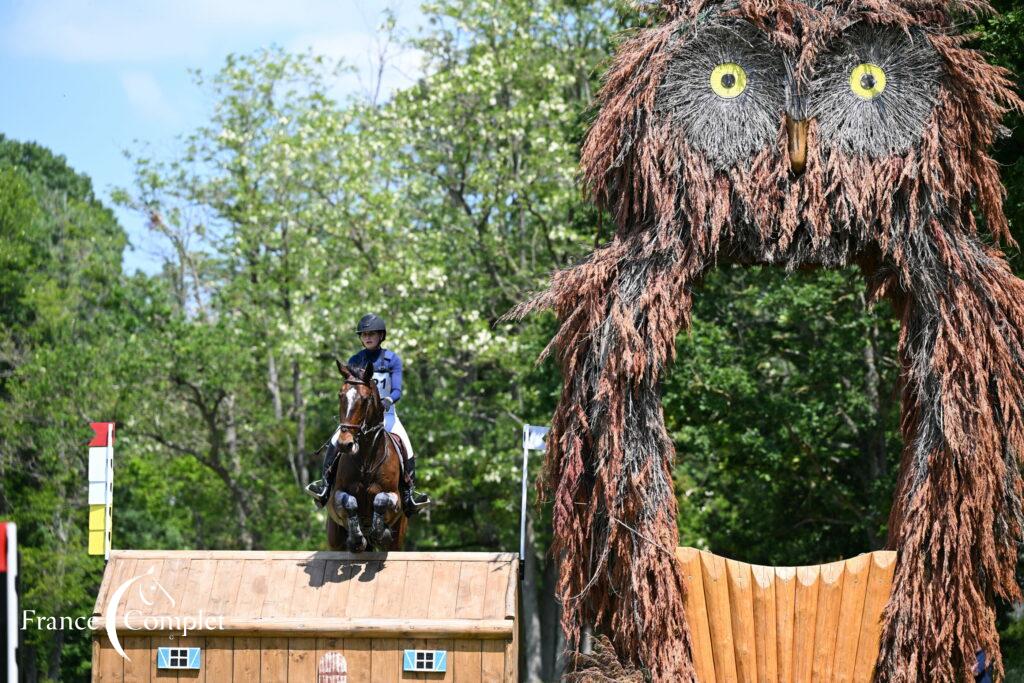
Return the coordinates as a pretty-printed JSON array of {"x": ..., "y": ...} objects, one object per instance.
[
  {"x": 294, "y": 660},
  {"x": 807, "y": 624},
  {"x": 273, "y": 585}
]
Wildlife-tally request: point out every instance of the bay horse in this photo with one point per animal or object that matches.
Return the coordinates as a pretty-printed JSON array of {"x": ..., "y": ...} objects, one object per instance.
[{"x": 364, "y": 489}]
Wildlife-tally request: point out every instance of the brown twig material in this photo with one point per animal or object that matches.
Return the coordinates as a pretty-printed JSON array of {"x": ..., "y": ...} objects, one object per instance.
[
  {"x": 602, "y": 666},
  {"x": 895, "y": 197}
]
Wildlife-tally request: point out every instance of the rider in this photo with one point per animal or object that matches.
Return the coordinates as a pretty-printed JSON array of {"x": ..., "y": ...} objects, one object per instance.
[{"x": 387, "y": 372}]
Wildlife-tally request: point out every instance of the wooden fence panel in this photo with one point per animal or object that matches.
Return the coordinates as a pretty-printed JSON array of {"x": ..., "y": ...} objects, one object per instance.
[
  {"x": 830, "y": 599},
  {"x": 765, "y": 624},
  {"x": 785, "y": 615},
  {"x": 805, "y": 619},
  {"x": 883, "y": 566},
  {"x": 818, "y": 623},
  {"x": 741, "y": 603},
  {"x": 855, "y": 584},
  {"x": 697, "y": 614},
  {"x": 716, "y": 592}
]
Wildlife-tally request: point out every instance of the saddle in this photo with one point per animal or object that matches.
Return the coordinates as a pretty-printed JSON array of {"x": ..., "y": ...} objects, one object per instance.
[{"x": 400, "y": 445}]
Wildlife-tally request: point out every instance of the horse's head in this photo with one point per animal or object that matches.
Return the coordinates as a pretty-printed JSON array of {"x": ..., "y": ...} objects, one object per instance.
[{"x": 359, "y": 406}]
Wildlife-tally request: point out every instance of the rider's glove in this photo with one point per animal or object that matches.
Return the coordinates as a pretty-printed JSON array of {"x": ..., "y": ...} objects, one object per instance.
[{"x": 387, "y": 403}]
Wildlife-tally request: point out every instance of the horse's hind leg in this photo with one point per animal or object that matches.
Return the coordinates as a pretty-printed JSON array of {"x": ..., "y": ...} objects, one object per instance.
[
  {"x": 380, "y": 531},
  {"x": 398, "y": 533},
  {"x": 335, "y": 534},
  {"x": 348, "y": 508}
]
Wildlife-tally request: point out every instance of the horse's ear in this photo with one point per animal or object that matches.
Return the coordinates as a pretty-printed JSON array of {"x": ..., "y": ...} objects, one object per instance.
[
  {"x": 368, "y": 373},
  {"x": 341, "y": 368}
]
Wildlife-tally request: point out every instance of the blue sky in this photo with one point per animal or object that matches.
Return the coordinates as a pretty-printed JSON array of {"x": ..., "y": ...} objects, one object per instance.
[{"x": 87, "y": 78}]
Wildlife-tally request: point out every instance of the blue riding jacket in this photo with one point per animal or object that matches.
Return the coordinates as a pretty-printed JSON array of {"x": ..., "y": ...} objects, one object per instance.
[{"x": 383, "y": 361}]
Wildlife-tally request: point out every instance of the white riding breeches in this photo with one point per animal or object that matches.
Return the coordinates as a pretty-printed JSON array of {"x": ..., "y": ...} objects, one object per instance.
[
  {"x": 394, "y": 425},
  {"x": 391, "y": 421}
]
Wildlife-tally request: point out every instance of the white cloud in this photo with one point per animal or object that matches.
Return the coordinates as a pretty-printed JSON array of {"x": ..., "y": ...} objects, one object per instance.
[
  {"x": 123, "y": 31},
  {"x": 146, "y": 96}
]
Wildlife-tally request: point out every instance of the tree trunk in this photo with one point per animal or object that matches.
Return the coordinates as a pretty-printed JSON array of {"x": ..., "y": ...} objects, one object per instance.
[
  {"x": 235, "y": 464},
  {"x": 56, "y": 655},
  {"x": 27, "y": 671},
  {"x": 274, "y": 385},
  {"x": 873, "y": 442},
  {"x": 553, "y": 642},
  {"x": 299, "y": 408},
  {"x": 531, "y": 664},
  {"x": 231, "y": 433}
]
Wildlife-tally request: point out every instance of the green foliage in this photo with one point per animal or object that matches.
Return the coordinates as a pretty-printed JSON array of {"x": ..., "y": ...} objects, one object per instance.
[
  {"x": 781, "y": 401},
  {"x": 61, "y": 253},
  {"x": 289, "y": 214},
  {"x": 1002, "y": 38}
]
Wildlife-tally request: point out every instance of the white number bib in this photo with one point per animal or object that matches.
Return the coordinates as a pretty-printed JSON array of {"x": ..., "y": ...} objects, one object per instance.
[{"x": 383, "y": 380}]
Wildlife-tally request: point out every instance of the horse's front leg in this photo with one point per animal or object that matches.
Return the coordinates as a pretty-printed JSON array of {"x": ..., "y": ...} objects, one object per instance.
[
  {"x": 385, "y": 509},
  {"x": 346, "y": 507}
]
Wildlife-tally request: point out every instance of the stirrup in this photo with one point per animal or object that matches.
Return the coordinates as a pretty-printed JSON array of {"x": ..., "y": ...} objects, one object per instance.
[
  {"x": 318, "y": 490},
  {"x": 413, "y": 502}
]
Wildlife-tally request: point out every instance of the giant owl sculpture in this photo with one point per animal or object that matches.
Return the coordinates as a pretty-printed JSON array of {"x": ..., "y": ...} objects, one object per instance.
[{"x": 800, "y": 135}]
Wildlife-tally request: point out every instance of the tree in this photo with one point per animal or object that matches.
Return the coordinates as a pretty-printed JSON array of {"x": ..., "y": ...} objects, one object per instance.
[{"x": 61, "y": 315}]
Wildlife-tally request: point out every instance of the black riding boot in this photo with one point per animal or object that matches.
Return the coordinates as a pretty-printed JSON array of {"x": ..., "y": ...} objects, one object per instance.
[
  {"x": 411, "y": 500},
  {"x": 321, "y": 490}
]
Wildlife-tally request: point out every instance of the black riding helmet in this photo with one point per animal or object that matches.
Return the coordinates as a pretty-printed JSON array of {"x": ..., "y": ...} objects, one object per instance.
[{"x": 372, "y": 323}]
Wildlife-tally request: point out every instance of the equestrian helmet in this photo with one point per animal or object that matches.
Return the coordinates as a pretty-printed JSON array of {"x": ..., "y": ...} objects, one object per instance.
[{"x": 372, "y": 323}]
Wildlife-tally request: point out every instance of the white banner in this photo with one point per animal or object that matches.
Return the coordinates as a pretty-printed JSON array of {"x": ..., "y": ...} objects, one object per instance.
[
  {"x": 533, "y": 440},
  {"x": 533, "y": 437}
]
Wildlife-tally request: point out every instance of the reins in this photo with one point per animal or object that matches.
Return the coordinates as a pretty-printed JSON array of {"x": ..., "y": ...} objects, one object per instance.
[{"x": 360, "y": 432}]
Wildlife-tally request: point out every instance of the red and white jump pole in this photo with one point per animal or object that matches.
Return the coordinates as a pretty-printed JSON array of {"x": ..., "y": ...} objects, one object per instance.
[
  {"x": 9, "y": 600},
  {"x": 101, "y": 488}
]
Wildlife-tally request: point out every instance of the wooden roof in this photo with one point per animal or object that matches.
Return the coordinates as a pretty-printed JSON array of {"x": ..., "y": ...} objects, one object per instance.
[{"x": 326, "y": 593}]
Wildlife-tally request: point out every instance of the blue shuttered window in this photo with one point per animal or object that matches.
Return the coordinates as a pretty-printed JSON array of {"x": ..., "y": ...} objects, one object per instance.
[
  {"x": 425, "y": 660},
  {"x": 177, "y": 657}
]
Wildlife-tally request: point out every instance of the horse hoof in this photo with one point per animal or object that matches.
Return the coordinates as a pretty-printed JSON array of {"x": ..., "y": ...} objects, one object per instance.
[{"x": 357, "y": 546}]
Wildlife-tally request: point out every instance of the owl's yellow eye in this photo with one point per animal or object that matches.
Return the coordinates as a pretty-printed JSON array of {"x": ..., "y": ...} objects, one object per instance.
[
  {"x": 728, "y": 80},
  {"x": 867, "y": 81}
]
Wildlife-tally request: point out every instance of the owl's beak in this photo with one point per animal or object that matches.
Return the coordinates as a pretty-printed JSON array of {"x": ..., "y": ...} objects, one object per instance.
[{"x": 796, "y": 130}]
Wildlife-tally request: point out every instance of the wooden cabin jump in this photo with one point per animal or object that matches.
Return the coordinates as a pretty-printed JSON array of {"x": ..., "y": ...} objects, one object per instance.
[
  {"x": 324, "y": 617},
  {"x": 332, "y": 617},
  {"x": 818, "y": 624}
]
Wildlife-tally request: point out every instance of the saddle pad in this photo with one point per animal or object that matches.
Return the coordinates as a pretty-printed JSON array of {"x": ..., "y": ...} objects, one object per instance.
[{"x": 400, "y": 446}]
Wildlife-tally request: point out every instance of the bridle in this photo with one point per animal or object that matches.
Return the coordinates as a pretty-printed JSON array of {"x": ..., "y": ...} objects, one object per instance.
[{"x": 360, "y": 432}]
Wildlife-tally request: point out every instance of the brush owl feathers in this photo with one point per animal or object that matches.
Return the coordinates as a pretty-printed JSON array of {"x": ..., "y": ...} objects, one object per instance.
[{"x": 799, "y": 135}]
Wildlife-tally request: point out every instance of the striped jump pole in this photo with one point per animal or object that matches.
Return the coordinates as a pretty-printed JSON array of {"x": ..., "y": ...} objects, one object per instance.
[
  {"x": 101, "y": 488},
  {"x": 9, "y": 600}
]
